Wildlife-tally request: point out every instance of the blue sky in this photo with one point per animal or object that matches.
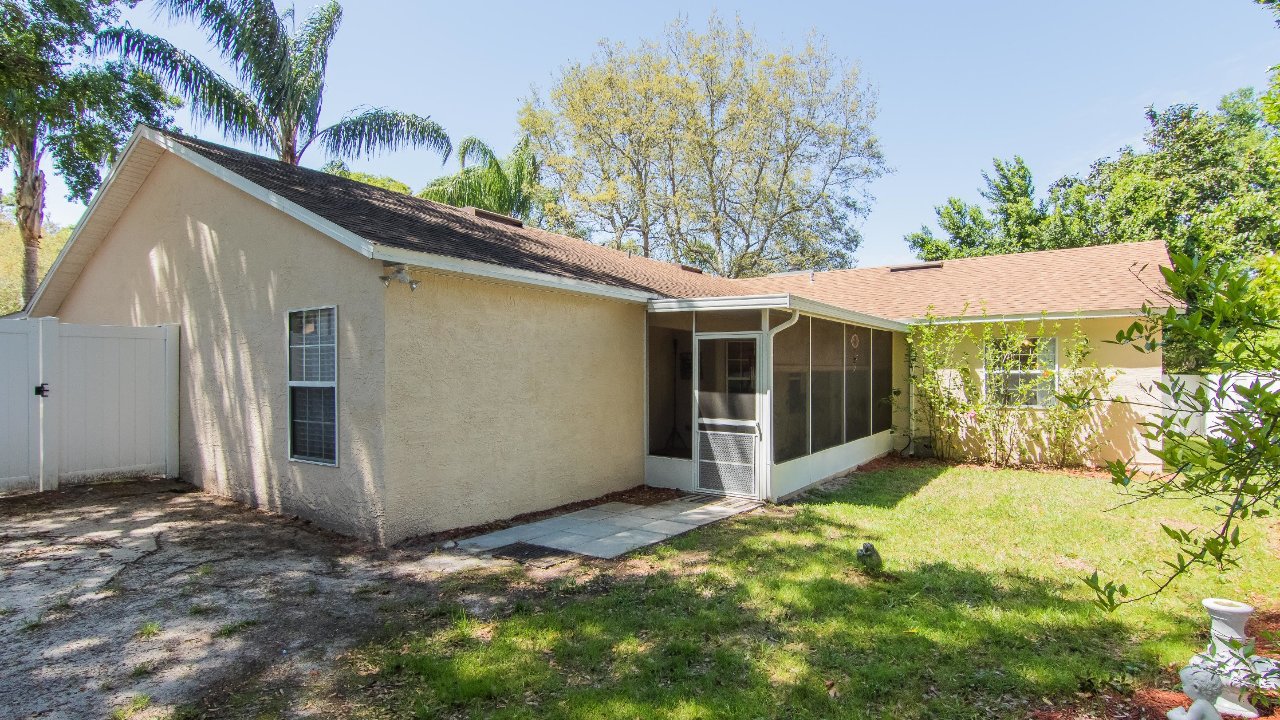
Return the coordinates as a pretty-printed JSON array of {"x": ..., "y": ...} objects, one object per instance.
[{"x": 959, "y": 83}]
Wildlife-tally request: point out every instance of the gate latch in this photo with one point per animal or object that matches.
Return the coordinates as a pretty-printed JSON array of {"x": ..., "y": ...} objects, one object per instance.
[{"x": 42, "y": 390}]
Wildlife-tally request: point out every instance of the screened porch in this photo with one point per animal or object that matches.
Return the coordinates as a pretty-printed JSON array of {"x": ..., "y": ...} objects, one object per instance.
[{"x": 763, "y": 401}]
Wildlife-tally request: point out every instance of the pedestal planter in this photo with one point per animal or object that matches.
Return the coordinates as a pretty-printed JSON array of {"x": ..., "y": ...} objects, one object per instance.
[{"x": 1239, "y": 674}]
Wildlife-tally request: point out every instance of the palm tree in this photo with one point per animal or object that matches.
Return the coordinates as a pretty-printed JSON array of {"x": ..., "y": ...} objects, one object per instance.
[
  {"x": 281, "y": 68},
  {"x": 509, "y": 186},
  {"x": 56, "y": 103}
]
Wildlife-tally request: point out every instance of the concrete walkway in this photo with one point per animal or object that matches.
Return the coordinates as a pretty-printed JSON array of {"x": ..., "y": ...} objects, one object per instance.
[{"x": 612, "y": 529}]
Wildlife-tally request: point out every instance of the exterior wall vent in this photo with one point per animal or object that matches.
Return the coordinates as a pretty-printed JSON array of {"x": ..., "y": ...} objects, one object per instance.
[{"x": 490, "y": 215}]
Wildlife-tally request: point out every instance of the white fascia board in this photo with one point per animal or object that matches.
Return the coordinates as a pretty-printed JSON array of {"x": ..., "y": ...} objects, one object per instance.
[
  {"x": 775, "y": 302},
  {"x": 102, "y": 191},
  {"x": 444, "y": 263},
  {"x": 727, "y": 302},
  {"x": 813, "y": 307},
  {"x": 286, "y": 206},
  {"x": 1017, "y": 317}
]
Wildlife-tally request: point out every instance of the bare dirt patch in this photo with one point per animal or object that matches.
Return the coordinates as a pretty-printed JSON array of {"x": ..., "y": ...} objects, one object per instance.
[{"x": 112, "y": 592}]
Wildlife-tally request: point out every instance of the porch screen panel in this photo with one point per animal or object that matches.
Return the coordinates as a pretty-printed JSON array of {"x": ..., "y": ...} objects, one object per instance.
[
  {"x": 727, "y": 379},
  {"x": 857, "y": 395},
  {"x": 728, "y": 320},
  {"x": 881, "y": 380},
  {"x": 791, "y": 392},
  {"x": 828, "y": 384},
  {"x": 671, "y": 384}
]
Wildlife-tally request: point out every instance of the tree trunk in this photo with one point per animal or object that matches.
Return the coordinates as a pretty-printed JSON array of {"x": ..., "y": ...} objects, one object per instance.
[
  {"x": 29, "y": 195},
  {"x": 289, "y": 145}
]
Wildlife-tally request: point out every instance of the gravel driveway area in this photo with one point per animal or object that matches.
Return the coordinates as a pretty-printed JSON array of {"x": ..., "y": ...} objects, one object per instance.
[{"x": 142, "y": 597}]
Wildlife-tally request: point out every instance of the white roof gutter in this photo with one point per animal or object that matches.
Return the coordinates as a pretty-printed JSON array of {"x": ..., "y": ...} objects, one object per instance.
[
  {"x": 1014, "y": 317},
  {"x": 782, "y": 301}
]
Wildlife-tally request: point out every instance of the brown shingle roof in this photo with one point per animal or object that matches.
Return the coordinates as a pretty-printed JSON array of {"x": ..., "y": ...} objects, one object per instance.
[
  {"x": 1088, "y": 279},
  {"x": 1058, "y": 281},
  {"x": 401, "y": 221}
]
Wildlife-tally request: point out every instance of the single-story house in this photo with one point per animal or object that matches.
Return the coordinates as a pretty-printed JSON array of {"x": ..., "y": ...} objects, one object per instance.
[{"x": 388, "y": 366}]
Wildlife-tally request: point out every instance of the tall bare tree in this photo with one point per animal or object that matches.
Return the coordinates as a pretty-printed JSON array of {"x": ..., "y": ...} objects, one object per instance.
[{"x": 711, "y": 149}]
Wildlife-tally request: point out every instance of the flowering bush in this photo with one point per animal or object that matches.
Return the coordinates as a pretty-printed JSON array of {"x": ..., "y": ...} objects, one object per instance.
[{"x": 1004, "y": 393}]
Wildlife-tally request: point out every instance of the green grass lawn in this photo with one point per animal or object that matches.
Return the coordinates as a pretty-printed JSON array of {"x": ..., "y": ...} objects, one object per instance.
[{"x": 767, "y": 616}]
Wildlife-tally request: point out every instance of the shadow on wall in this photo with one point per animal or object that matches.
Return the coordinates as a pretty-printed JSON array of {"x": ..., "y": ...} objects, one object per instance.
[
  {"x": 235, "y": 389},
  {"x": 1122, "y": 436},
  {"x": 228, "y": 269}
]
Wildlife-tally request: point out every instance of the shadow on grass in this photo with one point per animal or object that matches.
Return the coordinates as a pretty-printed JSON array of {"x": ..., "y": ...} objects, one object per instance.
[
  {"x": 772, "y": 625},
  {"x": 883, "y": 488}
]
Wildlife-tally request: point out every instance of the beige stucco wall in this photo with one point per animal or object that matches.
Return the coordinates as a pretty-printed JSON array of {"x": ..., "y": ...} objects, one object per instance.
[
  {"x": 504, "y": 399},
  {"x": 195, "y": 251},
  {"x": 1134, "y": 375}
]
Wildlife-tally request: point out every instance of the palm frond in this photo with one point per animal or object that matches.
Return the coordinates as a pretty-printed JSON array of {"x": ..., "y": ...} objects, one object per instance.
[
  {"x": 475, "y": 186},
  {"x": 509, "y": 186},
  {"x": 375, "y": 130},
  {"x": 474, "y": 147},
  {"x": 310, "y": 60},
  {"x": 212, "y": 98},
  {"x": 250, "y": 35}
]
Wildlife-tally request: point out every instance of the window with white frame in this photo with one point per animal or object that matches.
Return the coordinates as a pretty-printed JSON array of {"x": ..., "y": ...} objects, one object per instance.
[
  {"x": 313, "y": 385},
  {"x": 1022, "y": 373}
]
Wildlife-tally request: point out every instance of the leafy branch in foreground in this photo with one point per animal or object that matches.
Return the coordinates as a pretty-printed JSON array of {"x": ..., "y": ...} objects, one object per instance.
[{"x": 1230, "y": 462}]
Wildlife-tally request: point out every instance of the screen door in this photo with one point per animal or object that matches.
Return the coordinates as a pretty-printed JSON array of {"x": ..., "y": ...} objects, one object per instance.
[{"x": 728, "y": 413}]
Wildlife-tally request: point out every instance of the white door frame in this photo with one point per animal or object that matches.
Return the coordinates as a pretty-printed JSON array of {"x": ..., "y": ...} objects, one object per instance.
[{"x": 759, "y": 424}]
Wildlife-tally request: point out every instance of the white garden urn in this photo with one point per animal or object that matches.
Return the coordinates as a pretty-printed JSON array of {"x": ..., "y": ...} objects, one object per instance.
[{"x": 1226, "y": 635}]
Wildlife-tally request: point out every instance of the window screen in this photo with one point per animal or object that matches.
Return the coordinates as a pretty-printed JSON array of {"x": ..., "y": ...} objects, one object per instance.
[
  {"x": 313, "y": 385},
  {"x": 857, "y": 383},
  {"x": 881, "y": 380},
  {"x": 828, "y": 384},
  {"x": 791, "y": 392},
  {"x": 1023, "y": 374},
  {"x": 670, "y": 384}
]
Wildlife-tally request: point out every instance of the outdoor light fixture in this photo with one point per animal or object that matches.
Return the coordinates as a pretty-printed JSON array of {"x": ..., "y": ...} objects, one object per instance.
[{"x": 399, "y": 274}]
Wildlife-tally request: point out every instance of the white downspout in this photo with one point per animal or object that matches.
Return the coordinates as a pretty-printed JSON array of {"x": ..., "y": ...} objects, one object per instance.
[
  {"x": 767, "y": 423},
  {"x": 911, "y": 402}
]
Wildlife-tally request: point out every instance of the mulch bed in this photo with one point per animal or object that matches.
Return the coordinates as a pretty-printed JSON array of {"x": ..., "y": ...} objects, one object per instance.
[
  {"x": 638, "y": 495},
  {"x": 894, "y": 460},
  {"x": 1145, "y": 704},
  {"x": 1265, "y": 626}
]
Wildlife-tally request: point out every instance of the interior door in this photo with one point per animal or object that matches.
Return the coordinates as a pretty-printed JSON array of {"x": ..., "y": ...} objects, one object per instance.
[{"x": 728, "y": 413}]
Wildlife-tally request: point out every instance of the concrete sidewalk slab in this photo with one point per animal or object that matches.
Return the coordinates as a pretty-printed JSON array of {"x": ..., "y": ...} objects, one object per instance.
[{"x": 615, "y": 528}]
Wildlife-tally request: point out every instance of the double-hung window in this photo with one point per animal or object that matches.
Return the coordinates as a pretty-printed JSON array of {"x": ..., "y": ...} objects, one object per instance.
[
  {"x": 313, "y": 385},
  {"x": 1024, "y": 373}
]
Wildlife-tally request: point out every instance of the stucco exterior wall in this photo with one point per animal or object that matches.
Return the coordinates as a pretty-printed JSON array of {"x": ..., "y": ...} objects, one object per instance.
[
  {"x": 193, "y": 250},
  {"x": 504, "y": 399},
  {"x": 1134, "y": 375}
]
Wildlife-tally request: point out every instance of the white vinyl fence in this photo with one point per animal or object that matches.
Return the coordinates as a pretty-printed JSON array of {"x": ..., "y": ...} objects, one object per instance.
[
  {"x": 1210, "y": 423},
  {"x": 79, "y": 402}
]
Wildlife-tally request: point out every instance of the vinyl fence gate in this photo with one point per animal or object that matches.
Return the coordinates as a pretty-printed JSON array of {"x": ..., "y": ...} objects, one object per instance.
[{"x": 79, "y": 402}]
